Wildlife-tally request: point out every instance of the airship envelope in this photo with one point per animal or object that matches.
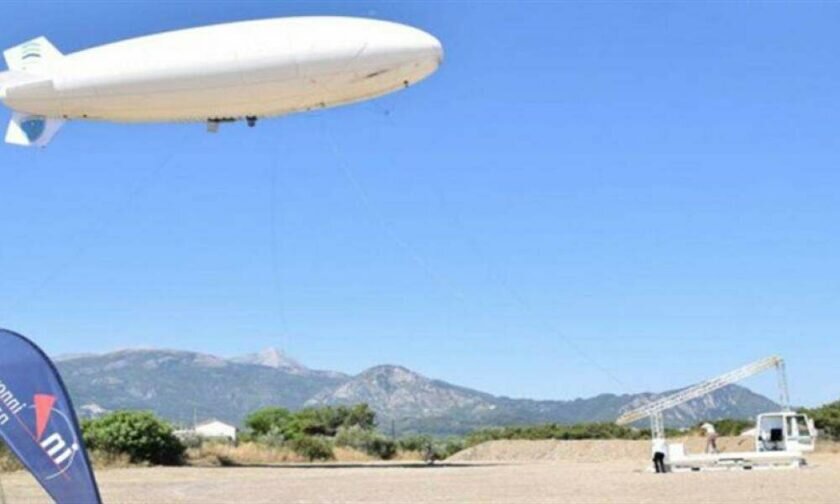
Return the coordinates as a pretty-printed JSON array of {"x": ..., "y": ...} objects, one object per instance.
[{"x": 214, "y": 74}]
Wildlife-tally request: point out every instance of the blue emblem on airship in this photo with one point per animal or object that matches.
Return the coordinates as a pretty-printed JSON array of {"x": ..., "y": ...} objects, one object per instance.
[{"x": 34, "y": 127}]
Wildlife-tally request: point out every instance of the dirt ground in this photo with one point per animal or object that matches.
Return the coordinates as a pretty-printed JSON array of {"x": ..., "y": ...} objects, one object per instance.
[
  {"x": 594, "y": 450},
  {"x": 556, "y": 481}
]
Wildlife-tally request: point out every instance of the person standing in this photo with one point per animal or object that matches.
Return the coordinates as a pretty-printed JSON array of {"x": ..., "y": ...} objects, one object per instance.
[
  {"x": 660, "y": 450},
  {"x": 711, "y": 438}
]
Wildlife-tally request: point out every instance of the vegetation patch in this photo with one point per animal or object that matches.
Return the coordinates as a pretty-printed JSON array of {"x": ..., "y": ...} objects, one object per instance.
[
  {"x": 138, "y": 435},
  {"x": 342, "y": 433},
  {"x": 827, "y": 420}
]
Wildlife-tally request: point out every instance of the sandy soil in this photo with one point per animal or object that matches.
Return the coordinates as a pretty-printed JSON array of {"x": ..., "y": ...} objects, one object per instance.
[
  {"x": 586, "y": 451},
  {"x": 616, "y": 481}
]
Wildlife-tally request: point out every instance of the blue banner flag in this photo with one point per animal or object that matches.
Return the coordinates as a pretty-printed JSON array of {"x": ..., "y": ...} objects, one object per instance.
[{"x": 38, "y": 423}]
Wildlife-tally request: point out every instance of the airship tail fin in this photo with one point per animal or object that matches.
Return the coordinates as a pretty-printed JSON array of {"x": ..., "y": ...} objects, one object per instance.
[
  {"x": 32, "y": 130},
  {"x": 31, "y": 55}
]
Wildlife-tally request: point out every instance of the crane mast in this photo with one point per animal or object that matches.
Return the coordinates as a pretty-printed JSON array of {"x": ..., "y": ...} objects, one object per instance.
[{"x": 655, "y": 409}]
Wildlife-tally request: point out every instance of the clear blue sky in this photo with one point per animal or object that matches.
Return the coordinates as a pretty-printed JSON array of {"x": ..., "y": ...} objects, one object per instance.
[{"x": 587, "y": 197}]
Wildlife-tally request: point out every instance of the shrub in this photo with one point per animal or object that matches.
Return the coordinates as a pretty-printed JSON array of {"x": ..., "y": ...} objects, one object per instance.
[
  {"x": 368, "y": 441},
  {"x": 381, "y": 447},
  {"x": 443, "y": 449},
  {"x": 268, "y": 420},
  {"x": 327, "y": 420},
  {"x": 359, "y": 415},
  {"x": 312, "y": 448},
  {"x": 273, "y": 439},
  {"x": 324, "y": 421},
  {"x": 415, "y": 443},
  {"x": 8, "y": 462},
  {"x": 139, "y": 435},
  {"x": 448, "y": 448},
  {"x": 310, "y": 431},
  {"x": 191, "y": 440},
  {"x": 353, "y": 437},
  {"x": 432, "y": 449},
  {"x": 827, "y": 419}
]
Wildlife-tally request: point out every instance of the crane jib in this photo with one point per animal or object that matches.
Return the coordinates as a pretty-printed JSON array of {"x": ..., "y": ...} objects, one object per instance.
[{"x": 658, "y": 406}]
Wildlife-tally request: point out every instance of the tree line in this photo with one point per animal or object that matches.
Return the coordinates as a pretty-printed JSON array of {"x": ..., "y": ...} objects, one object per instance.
[{"x": 315, "y": 433}]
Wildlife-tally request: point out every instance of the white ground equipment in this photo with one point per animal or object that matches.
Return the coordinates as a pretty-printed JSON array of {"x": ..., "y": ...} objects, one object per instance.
[{"x": 781, "y": 438}]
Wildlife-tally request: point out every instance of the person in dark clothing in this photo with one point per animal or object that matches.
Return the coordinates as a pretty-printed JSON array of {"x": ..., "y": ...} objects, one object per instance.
[
  {"x": 660, "y": 447},
  {"x": 659, "y": 462}
]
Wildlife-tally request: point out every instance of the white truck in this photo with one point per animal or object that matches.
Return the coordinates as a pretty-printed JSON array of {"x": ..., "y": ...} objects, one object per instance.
[{"x": 781, "y": 438}]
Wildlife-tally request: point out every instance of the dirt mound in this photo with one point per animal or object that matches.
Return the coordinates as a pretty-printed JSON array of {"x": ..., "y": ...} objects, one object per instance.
[{"x": 583, "y": 451}]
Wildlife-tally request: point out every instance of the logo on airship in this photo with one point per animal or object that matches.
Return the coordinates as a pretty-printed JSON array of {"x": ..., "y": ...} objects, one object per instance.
[
  {"x": 34, "y": 127},
  {"x": 30, "y": 50}
]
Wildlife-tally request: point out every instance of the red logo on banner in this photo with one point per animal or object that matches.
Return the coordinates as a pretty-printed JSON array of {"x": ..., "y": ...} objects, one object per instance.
[{"x": 43, "y": 411}]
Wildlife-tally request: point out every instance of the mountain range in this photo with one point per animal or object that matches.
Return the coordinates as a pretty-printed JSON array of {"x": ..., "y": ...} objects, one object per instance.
[{"x": 184, "y": 386}]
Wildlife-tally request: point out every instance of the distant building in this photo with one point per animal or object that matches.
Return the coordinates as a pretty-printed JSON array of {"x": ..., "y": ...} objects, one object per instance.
[
  {"x": 210, "y": 429},
  {"x": 216, "y": 429}
]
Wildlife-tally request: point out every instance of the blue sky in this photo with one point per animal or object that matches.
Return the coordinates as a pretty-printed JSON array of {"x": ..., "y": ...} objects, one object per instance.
[{"x": 587, "y": 197}]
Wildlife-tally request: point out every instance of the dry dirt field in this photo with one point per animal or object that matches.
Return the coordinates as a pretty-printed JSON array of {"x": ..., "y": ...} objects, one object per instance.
[{"x": 566, "y": 472}]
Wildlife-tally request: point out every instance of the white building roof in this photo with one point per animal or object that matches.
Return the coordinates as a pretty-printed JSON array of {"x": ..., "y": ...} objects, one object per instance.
[{"x": 214, "y": 421}]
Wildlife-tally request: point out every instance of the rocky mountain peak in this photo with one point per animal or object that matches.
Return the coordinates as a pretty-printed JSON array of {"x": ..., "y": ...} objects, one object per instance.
[
  {"x": 273, "y": 358},
  {"x": 392, "y": 375},
  {"x": 401, "y": 392}
]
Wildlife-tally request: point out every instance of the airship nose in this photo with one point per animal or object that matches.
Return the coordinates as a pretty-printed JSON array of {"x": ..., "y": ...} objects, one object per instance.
[
  {"x": 404, "y": 43},
  {"x": 427, "y": 44},
  {"x": 422, "y": 44}
]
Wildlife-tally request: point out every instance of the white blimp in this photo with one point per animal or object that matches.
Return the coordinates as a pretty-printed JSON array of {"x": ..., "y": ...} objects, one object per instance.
[{"x": 213, "y": 74}]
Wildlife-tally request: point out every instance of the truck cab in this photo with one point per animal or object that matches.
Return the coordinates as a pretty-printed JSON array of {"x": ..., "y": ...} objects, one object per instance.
[{"x": 785, "y": 431}]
